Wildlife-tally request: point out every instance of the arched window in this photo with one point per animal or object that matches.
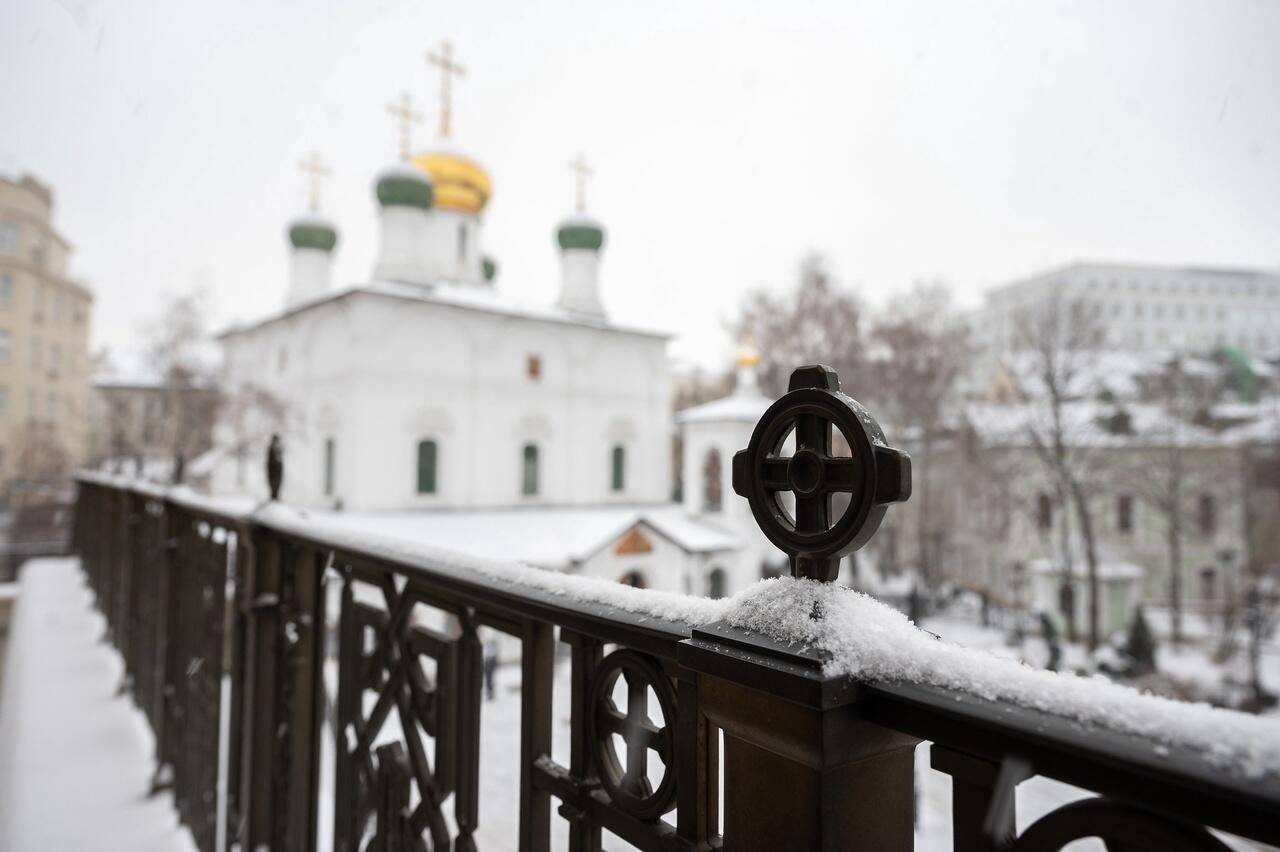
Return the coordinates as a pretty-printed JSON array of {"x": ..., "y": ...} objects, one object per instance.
[
  {"x": 634, "y": 579},
  {"x": 330, "y": 456},
  {"x": 1044, "y": 512},
  {"x": 529, "y": 470},
  {"x": 711, "y": 481},
  {"x": 1208, "y": 515},
  {"x": 717, "y": 580},
  {"x": 618, "y": 478},
  {"x": 462, "y": 241},
  {"x": 427, "y": 451},
  {"x": 1208, "y": 583},
  {"x": 1124, "y": 513}
]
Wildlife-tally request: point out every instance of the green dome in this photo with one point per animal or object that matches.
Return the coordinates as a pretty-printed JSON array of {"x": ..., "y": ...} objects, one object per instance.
[
  {"x": 404, "y": 188},
  {"x": 313, "y": 233},
  {"x": 580, "y": 234},
  {"x": 490, "y": 267}
]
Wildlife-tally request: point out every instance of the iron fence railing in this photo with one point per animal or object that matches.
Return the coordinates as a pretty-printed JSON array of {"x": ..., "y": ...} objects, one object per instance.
[{"x": 221, "y": 616}]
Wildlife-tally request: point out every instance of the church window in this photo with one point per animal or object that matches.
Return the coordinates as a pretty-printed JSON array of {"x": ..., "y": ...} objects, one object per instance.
[
  {"x": 717, "y": 582},
  {"x": 330, "y": 452},
  {"x": 8, "y": 236},
  {"x": 427, "y": 467},
  {"x": 6, "y": 344},
  {"x": 529, "y": 470},
  {"x": 533, "y": 367},
  {"x": 711, "y": 486},
  {"x": 462, "y": 242},
  {"x": 1044, "y": 512},
  {"x": 619, "y": 468},
  {"x": 6, "y": 289}
]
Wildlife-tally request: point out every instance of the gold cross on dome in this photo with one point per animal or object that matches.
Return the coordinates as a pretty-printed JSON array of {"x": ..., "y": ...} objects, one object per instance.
[
  {"x": 315, "y": 171},
  {"x": 407, "y": 117},
  {"x": 581, "y": 172},
  {"x": 448, "y": 69}
]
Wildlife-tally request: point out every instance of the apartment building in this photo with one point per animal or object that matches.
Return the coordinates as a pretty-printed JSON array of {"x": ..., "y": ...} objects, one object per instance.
[{"x": 44, "y": 343}]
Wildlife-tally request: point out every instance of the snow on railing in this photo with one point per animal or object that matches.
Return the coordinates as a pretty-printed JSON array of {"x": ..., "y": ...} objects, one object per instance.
[{"x": 857, "y": 636}]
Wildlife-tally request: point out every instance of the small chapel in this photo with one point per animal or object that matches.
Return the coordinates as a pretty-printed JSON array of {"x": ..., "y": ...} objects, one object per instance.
[{"x": 431, "y": 403}]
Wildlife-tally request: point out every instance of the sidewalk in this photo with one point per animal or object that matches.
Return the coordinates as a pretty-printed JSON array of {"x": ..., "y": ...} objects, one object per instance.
[{"x": 75, "y": 758}]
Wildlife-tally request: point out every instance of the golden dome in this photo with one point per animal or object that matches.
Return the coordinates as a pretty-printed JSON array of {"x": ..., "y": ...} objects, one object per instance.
[
  {"x": 748, "y": 355},
  {"x": 460, "y": 183}
]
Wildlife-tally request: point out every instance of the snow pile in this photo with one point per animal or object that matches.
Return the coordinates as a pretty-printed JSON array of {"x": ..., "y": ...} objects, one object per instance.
[
  {"x": 869, "y": 640},
  {"x": 75, "y": 753}
]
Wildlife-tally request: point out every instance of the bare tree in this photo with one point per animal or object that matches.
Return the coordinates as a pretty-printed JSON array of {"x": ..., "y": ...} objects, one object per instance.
[
  {"x": 1166, "y": 477},
  {"x": 40, "y": 487},
  {"x": 250, "y": 414},
  {"x": 178, "y": 350},
  {"x": 920, "y": 349},
  {"x": 816, "y": 323},
  {"x": 1060, "y": 340}
]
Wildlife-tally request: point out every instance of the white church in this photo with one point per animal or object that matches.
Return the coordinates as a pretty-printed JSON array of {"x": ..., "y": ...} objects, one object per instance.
[{"x": 429, "y": 403}]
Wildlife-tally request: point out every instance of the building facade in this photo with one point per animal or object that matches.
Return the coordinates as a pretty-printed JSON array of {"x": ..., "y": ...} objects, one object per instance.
[
  {"x": 1141, "y": 308},
  {"x": 44, "y": 343}
]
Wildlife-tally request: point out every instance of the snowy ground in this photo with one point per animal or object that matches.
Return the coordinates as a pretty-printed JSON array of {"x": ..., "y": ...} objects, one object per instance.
[
  {"x": 75, "y": 757},
  {"x": 1187, "y": 671}
]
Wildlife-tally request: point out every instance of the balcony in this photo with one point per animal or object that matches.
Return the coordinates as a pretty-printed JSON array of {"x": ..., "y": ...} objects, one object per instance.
[{"x": 311, "y": 688}]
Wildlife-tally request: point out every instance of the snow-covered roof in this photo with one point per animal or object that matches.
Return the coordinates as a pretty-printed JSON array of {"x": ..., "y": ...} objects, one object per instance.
[
  {"x": 471, "y": 297},
  {"x": 549, "y": 537},
  {"x": 1113, "y": 371},
  {"x": 1264, "y": 430},
  {"x": 730, "y": 408},
  {"x": 1085, "y": 425}
]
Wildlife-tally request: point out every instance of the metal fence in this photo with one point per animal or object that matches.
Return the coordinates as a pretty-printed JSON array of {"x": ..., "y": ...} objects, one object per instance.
[{"x": 204, "y": 602}]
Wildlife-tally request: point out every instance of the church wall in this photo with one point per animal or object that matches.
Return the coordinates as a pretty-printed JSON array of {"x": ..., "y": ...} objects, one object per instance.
[{"x": 377, "y": 375}]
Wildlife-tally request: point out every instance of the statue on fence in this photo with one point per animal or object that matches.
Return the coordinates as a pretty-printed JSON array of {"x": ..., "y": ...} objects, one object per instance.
[{"x": 275, "y": 466}]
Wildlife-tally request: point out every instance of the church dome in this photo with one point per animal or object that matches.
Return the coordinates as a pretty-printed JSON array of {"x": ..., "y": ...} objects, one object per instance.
[
  {"x": 580, "y": 232},
  {"x": 460, "y": 183},
  {"x": 312, "y": 231},
  {"x": 404, "y": 186}
]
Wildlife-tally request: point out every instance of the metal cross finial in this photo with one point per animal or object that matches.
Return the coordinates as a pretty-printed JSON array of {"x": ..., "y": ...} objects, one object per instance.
[
  {"x": 314, "y": 170},
  {"x": 407, "y": 117},
  {"x": 873, "y": 474},
  {"x": 581, "y": 172},
  {"x": 448, "y": 69}
]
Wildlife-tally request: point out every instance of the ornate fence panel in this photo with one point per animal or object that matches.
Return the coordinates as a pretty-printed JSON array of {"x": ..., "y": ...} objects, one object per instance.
[{"x": 811, "y": 760}]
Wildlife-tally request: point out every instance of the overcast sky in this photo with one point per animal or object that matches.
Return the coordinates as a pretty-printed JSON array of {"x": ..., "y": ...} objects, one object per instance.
[{"x": 973, "y": 142}]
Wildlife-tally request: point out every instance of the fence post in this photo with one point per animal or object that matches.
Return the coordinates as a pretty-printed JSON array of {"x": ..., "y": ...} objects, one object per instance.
[
  {"x": 261, "y": 684},
  {"x": 803, "y": 770}
]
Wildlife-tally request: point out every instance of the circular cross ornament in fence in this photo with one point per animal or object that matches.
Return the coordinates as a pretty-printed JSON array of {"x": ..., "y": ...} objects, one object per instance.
[
  {"x": 873, "y": 474},
  {"x": 625, "y": 777}
]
